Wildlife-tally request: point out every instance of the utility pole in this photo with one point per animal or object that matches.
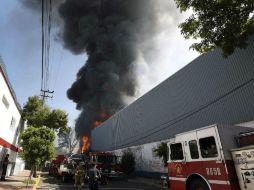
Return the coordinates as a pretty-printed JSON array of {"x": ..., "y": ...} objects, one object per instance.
[{"x": 45, "y": 95}]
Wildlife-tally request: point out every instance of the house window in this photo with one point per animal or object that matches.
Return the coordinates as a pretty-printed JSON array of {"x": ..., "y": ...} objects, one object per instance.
[
  {"x": 5, "y": 102},
  {"x": 13, "y": 123}
]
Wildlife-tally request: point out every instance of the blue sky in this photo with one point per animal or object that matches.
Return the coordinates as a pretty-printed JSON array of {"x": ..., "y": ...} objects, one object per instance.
[{"x": 20, "y": 48}]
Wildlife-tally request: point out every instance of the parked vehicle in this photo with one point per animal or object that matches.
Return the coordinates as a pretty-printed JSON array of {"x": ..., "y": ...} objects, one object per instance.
[
  {"x": 202, "y": 159},
  {"x": 108, "y": 163},
  {"x": 244, "y": 160},
  {"x": 66, "y": 169},
  {"x": 55, "y": 164}
]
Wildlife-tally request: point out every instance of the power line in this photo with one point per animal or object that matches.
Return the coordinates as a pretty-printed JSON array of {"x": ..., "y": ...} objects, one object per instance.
[
  {"x": 46, "y": 31},
  {"x": 58, "y": 68},
  {"x": 55, "y": 61},
  {"x": 42, "y": 42}
]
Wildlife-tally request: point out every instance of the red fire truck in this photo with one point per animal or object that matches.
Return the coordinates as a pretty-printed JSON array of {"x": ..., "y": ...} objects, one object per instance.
[
  {"x": 108, "y": 163},
  {"x": 201, "y": 159},
  {"x": 55, "y": 164}
]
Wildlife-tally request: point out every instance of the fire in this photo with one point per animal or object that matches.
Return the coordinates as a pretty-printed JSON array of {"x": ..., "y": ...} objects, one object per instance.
[
  {"x": 97, "y": 123},
  {"x": 85, "y": 140},
  {"x": 102, "y": 117}
]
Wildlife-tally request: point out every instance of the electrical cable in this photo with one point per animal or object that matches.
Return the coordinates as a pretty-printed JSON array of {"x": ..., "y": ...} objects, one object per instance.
[
  {"x": 42, "y": 41},
  {"x": 46, "y": 35}
]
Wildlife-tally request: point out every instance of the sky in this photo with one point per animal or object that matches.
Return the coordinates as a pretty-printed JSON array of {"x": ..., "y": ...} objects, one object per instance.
[{"x": 20, "y": 49}]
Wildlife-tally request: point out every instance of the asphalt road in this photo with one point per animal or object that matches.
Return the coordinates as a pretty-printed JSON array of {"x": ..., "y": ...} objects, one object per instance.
[{"x": 51, "y": 183}]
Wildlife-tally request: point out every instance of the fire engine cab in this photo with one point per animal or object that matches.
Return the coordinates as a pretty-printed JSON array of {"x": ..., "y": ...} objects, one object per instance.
[
  {"x": 108, "y": 163},
  {"x": 201, "y": 159}
]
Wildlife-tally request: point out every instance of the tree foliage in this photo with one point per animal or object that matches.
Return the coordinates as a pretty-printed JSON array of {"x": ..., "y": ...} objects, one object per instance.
[
  {"x": 37, "y": 140},
  {"x": 39, "y": 115},
  {"x": 128, "y": 162},
  {"x": 34, "y": 112},
  {"x": 37, "y": 145},
  {"x": 224, "y": 24},
  {"x": 162, "y": 152},
  {"x": 56, "y": 119}
]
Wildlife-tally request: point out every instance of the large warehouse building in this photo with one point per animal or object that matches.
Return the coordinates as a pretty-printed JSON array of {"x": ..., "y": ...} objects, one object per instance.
[{"x": 211, "y": 89}]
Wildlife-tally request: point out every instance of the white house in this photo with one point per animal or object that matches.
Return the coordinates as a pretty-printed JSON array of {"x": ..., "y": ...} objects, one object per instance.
[{"x": 10, "y": 123}]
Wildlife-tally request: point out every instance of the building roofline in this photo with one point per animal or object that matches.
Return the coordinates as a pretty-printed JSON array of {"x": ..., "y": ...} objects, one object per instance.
[{"x": 5, "y": 76}]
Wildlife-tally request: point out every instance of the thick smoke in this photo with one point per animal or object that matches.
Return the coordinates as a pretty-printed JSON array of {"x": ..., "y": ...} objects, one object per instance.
[
  {"x": 113, "y": 34},
  {"x": 124, "y": 39},
  {"x": 34, "y": 5}
]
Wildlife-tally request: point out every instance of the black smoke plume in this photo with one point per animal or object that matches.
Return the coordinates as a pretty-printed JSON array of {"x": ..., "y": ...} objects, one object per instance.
[{"x": 112, "y": 34}]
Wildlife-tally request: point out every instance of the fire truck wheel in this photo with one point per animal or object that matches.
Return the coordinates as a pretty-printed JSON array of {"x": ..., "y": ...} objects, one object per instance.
[{"x": 198, "y": 184}]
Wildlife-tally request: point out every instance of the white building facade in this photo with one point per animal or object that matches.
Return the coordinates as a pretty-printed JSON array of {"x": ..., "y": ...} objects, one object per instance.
[{"x": 10, "y": 124}]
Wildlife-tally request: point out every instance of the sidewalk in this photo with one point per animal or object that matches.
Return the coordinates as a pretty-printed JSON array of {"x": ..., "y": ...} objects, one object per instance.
[{"x": 16, "y": 182}]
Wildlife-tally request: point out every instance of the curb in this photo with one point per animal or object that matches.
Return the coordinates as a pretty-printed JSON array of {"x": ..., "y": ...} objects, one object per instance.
[{"x": 36, "y": 182}]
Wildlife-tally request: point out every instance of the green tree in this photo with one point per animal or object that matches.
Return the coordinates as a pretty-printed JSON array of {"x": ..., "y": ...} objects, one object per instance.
[
  {"x": 39, "y": 115},
  {"x": 128, "y": 162},
  {"x": 34, "y": 112},
  {"x": 37, "y": 139},
  {"x": 37, "y": 146},
  {"x": 162, "y": 152},
  {"x": 224, "y": 24},
  {"x": 56, "y": 119}
]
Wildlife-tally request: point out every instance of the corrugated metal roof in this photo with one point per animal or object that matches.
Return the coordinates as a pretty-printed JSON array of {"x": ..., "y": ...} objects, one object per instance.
[{"x": 211, "y": 89}]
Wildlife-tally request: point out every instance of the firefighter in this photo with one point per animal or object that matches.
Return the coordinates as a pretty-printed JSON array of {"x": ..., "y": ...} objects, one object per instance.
[
  {"x": 105, "y": 173},
  {"x": 93, "y": 176},
  {"x": 104, "y": 178},
  {"x": 79, "y": 175}
]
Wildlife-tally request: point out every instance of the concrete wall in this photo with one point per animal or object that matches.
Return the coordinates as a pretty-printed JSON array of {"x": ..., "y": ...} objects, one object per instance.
[
  {"x": 10, "y": 121},
  {"x": 8, "y": 130},
  {"x": 19, "y": 166},
  {"x": 145, "y": 159},
  {"x": 147, "y": 162}
]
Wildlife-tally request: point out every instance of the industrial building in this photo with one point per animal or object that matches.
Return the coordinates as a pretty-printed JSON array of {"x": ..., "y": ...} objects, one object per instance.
[
  {"x": 211, "y": 89},
  {"x": 10, "y": 122}
]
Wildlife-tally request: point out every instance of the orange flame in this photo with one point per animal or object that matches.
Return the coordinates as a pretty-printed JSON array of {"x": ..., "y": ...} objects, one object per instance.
[
  {"x": 103, "y": 116},
  {"x": 97, "y": 123},
  {"x": 85, "y": 143},
  {"x": 85, "y": 140}
]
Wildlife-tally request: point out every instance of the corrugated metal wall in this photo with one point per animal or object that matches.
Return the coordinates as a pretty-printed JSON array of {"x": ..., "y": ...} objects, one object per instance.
[{"x": 211, "y": 89}]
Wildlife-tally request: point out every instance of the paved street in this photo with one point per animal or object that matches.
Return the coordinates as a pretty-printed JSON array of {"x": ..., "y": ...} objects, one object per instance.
[{"x": 51, "y": 183}]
